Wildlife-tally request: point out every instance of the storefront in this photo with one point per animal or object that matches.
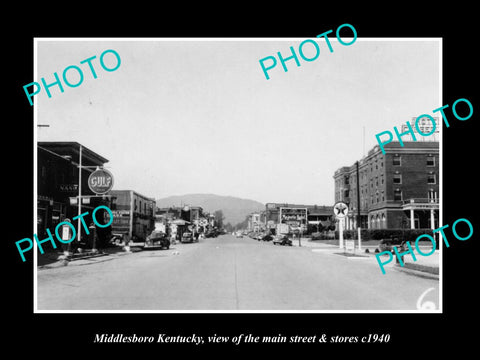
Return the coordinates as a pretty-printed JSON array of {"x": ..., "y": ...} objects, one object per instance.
[{"x": 58, "y": 183}]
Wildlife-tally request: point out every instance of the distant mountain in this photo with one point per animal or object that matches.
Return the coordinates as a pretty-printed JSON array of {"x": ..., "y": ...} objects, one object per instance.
[{"x": 234, "y": 209}]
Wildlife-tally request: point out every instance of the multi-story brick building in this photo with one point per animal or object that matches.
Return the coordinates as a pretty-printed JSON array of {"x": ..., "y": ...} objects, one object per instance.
[{"x": 398, "y": 189}]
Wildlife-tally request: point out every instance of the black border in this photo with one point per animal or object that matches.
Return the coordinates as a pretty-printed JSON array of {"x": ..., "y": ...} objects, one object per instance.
[{"x": 49, "y": 333}]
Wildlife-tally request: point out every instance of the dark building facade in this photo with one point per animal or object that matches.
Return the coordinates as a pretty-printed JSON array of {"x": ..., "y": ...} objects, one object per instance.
[
  {"x": 133, "y": 214},
  {"x": 398, "y": 189}
]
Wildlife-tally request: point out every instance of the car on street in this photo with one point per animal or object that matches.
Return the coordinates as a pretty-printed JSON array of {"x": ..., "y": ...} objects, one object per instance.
[
  {"x": 267, "y": 237},
  {"x": 282, "y": 240},
  {"x": 238, "y": 234},
  {"x": 157, "y": 239},
  {"x": 211, "y": 234}
]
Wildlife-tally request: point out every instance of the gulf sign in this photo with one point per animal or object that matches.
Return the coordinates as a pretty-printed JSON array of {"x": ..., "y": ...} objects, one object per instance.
[{"x": 100, "y": 181}]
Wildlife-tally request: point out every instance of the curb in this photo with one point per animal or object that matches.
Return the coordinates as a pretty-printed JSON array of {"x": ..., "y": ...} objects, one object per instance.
[
  {"x": 416, "y": 272},
  {"x": 60, "y": 262},
  {"x": 86, "y": 256}
]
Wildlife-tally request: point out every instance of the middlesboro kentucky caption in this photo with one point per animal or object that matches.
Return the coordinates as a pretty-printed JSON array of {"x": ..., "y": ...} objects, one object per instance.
[{"x": 161, "y": 338}]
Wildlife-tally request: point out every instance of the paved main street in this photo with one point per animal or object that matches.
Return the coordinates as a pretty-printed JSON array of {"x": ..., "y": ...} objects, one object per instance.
[{"x": 228, "y": 273}]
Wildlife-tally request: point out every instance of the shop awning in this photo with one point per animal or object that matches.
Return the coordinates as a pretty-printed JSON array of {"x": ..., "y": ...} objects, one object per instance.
[{"x": 180, "y": 222}]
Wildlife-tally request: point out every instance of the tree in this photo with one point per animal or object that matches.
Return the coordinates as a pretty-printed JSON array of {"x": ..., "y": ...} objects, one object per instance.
[
  {"x": 219, "y": 218},
  {"x": 243, "y": 224}
]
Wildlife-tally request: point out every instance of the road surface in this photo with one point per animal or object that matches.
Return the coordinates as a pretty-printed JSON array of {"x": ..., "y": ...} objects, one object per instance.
[{"x": 229, "y": 273}]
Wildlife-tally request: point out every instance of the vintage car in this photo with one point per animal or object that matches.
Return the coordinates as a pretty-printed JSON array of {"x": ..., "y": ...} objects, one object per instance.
[
  {"x": 267, "y": 237},
  {"x": 157, "y": 239},
  {"x": 282, "y": 240},
  {"x": 211, "y": 233}
]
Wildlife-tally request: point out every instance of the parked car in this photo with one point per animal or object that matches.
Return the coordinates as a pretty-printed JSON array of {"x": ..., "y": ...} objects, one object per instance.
[
  {"x": 157, "y": 239},
  {"x": 282, "y": 240},
  {"x": 316, "y": 236},
  {"x": 388, "y": 244},
  {"x": 267, "y": 237},
  {"x": 238, "y": 234},
  {"x": 187, "y": 236},
  {"x": 211, "y": 234}
]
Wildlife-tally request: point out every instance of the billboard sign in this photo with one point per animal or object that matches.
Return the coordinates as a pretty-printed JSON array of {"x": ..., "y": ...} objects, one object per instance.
[{"x": 293, "y": 216}]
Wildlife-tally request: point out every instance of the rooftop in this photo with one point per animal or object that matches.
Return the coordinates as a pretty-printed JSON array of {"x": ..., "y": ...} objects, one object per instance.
[{"x": 71, "y": 149}]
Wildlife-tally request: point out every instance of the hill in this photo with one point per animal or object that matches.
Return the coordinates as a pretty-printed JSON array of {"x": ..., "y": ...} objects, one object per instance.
[{"x": 234, "y": 209}]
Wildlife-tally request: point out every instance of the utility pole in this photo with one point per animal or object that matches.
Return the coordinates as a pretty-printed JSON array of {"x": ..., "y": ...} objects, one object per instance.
[{"x": 358, "y": 208}]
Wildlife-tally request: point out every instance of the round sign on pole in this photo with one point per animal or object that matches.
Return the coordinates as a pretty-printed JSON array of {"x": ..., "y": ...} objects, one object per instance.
[
  {"x": 100, "y": 181},
  {"x": 340, "y": 209}
]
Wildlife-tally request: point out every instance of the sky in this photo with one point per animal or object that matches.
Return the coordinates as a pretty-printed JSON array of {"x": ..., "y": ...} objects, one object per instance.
[{"x": 182, "y": 116}]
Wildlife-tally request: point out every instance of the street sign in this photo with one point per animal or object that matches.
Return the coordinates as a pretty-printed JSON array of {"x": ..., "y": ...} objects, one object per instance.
[
  {"x": 340, "y": 209},
  {"x": 100, "y": 181}
]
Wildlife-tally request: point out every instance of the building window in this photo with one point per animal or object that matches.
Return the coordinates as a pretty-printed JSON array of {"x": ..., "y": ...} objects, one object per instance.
[
  {"x": 381, "y": 177},
  {"x": 431, "y": 179},
  {"x": 397, "y": 178},
  {"x": 430, "y": 160},
  {"x": 397, "y": 161},
  {"x": 397, "y": 195},
  {"x": 346, "y": 180}
]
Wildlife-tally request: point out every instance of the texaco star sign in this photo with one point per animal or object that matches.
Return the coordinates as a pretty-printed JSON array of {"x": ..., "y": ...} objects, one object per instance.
[{"x": 340, "y": 209}]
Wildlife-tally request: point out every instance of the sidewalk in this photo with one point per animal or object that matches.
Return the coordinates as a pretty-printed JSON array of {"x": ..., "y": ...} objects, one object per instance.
[
  {"x": 424, "y": 266},
  {"x": 57, "y": 259}
]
